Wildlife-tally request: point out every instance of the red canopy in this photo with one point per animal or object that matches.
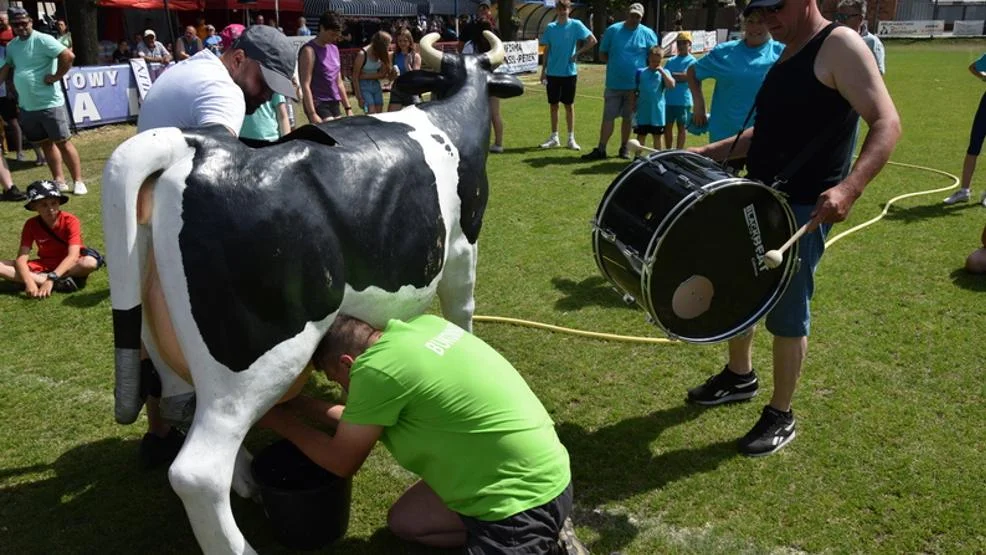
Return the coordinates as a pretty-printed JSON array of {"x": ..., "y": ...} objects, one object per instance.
[
  {"x": 187, "y": 5},
  {"x": 259, "y": 5}
]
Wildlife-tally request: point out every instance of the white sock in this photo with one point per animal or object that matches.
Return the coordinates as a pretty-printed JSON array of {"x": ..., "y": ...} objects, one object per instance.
[
  {"x": 554, "y": 135},
  {"x": 571, "y": 135}
]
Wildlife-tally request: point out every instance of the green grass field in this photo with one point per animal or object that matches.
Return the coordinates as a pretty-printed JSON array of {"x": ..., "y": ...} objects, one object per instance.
[{"x": 891, "y": 405}]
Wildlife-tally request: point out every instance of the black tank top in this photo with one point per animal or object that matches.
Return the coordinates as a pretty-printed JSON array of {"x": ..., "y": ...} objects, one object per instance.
[{"x": 793, "y": 107}]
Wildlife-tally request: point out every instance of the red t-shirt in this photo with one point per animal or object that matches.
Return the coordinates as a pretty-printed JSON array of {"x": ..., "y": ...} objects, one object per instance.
[
  {"x": 50, "y": 250},
  {"x": 6, "y": 36}
]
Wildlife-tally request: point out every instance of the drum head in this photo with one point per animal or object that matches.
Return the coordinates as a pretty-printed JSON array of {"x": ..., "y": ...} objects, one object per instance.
[{"x": 707, "y": 280}]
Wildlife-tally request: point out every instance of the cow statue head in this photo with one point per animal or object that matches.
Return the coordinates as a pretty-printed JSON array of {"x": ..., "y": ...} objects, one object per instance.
[{"x": 444, "y": 74}]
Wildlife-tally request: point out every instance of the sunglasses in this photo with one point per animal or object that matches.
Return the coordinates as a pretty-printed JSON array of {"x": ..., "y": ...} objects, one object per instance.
[
  {"x": 21, "y": 23},
  {"x": 846, "y": 16}
]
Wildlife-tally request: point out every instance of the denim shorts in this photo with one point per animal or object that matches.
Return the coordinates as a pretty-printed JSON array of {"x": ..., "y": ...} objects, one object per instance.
[
  {"x": 371, "y": 92},
  {"x": 616, "y": 104},
  {"x": 791, "y": 316},
  {"x": 678, "y": 114}
]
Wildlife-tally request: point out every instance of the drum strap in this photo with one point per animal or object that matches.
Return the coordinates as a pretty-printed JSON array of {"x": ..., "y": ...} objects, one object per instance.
[{"x": 795, "y": 164}]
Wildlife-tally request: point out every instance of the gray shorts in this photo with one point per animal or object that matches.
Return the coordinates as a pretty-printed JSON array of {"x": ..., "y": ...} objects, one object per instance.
[
  {"x": 617, "y": 104},
  {"x": 50, "y": 124}
]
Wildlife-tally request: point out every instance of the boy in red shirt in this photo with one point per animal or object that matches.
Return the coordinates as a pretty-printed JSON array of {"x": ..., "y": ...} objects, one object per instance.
[{"x": 61, "y": 264}]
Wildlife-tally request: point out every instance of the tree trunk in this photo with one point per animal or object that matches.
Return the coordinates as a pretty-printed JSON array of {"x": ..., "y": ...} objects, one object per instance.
[
  {"x": 599, "y": 11},
  {"x": 505, "y": 12},
  {"x": 711, "y": 6},
  {"x": 85, "y": 40}
]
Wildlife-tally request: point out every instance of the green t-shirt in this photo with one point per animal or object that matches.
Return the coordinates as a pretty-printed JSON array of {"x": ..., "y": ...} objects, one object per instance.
[
  {"x": 32, "y": 59},
  {"x": 457, "y": 414},
  {"x": 262, "y": 124}
]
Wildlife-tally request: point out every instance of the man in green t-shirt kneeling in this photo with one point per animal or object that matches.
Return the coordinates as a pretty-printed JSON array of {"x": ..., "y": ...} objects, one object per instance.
[{"x": 494, "y": 476}]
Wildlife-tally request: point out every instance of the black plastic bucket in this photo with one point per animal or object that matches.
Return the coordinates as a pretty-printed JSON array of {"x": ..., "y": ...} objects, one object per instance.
[{"x": 307, "y": 506}]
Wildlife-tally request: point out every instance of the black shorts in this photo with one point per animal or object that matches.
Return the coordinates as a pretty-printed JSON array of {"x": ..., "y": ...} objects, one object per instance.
[
  {"x": 8, "y": 108},
  {"x": 649, "y": 130},
  {"x": 534, "y": 531},
  {"x": 562, "y": 89}
]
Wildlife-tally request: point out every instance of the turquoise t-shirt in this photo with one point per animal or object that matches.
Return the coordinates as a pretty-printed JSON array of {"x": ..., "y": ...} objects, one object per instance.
[
  {"x": 457, "y": 414},
  {"x": 561, "y": 41},
  {"x": 981, "y": 63},
  {"x": 680, "y": 95},
  {"x": 262, "y": 124},
  {"x": 650, "y": 103},
  {"x": 739, "y": 71},
  {"x": 32, "y": 59},
  {"x": 627, "y": 52}
]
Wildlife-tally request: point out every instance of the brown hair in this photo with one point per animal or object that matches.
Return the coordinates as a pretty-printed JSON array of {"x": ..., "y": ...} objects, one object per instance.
[
  {"x": 404, "y": 33},
  {"x": 380, "y": 44},
  {"x": 346, "y": 336}
]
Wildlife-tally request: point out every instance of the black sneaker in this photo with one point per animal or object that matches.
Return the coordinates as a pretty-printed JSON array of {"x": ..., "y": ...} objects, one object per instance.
[
  {"x": 595, "y": 154},
  {"x": 569, "y": 542},
  {"x": 624, "y": 152},
  {"x": 66, "y": 285},
  {"x": 13, "y": 194},
  {"x": 157, "y": 451},
  {"x": 774, "y": 430},
  {"x": 724, "y": 387}
]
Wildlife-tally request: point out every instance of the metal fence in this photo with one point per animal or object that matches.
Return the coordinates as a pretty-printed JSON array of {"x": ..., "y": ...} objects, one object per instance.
[{"x": 949, "y": 11}]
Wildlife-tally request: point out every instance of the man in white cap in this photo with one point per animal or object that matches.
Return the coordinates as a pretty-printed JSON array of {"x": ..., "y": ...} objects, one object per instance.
[
  {"x": 151, "y": 50},
  {"x": 201, "y": 91},
  {"x": 624, "y": 49}
]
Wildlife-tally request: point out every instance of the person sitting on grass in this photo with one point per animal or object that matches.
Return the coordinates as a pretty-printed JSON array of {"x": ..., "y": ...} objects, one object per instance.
[
  {"x": 61, "y": 265},
  {"x": 494, "y": 476},
  {"x": 976, "y": 263}
]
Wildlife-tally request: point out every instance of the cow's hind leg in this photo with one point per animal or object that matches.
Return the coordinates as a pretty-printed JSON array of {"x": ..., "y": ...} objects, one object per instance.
[{"x": 455, "y": 290}]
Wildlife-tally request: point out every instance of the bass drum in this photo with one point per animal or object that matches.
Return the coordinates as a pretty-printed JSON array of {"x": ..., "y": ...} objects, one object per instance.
[{"x": 685, "y": 240}]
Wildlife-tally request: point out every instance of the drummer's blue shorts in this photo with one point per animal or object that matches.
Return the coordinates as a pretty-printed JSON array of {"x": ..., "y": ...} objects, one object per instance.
[{"x": 791, "y": 316}]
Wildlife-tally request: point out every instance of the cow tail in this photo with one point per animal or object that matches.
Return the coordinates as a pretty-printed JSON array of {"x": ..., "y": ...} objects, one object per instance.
[{"x": 127, "y": 243}]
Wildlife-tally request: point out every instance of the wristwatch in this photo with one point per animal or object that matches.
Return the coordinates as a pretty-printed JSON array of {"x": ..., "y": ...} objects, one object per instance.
[{"x": 52, "y": 276}]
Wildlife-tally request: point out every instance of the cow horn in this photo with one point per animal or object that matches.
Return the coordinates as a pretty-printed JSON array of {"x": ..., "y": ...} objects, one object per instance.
[
  {"x": 431, "y": 59},
  {"x": 495, "y": 53}
]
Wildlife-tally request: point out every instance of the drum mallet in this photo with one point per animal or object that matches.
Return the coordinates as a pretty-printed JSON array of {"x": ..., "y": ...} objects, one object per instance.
[
  {"x": 634, "y": 146},
  {"x": 774, "y": 258}
]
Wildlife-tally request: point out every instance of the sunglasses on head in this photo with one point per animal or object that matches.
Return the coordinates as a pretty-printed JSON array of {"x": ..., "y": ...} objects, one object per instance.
[{"x": 846, "y": 16}]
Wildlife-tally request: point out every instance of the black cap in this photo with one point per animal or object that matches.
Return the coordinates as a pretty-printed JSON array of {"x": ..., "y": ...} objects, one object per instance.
[
  {"x": 41, "y": 190},
  {"x": 275, "y": 54},
  {"x": 759, "y": 4}
]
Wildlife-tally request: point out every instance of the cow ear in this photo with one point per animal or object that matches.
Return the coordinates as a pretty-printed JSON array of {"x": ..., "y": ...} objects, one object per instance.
[
  {"x": 421, "y": 81},
  {"x": 504, "y": 86}
]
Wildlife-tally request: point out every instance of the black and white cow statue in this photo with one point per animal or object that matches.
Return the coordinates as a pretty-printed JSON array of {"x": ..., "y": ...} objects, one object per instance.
[{"x": 229, "y": 262}]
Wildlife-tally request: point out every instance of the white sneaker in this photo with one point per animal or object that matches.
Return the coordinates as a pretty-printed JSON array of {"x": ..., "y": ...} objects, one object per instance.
[
  {"x": 496, "y": 148},
  {"x": 573, "y": 145},
  {"x": 79, "y": 189},
  {"x": 62, "y": 187},
  {"x": 962, "y": 195},
  {"x": 552, "y": 142},
  {"x": 982, "y": 200}
]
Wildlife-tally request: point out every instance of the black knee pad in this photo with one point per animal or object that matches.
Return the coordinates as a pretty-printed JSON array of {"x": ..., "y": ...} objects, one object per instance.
[{"x": 150, "y": 382}]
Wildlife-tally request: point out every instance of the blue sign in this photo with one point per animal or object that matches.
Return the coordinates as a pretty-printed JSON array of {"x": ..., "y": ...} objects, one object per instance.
[{"x": 99, "y": 95}]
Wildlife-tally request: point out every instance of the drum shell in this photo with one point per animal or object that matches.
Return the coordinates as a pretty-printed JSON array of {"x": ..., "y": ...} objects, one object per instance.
[{"x": 701, "y": 222}]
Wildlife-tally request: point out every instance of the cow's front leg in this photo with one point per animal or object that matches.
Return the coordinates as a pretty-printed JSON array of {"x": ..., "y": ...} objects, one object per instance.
[
  {"x": 456, "y": 288},
  {"x": 203, "y": 471}
]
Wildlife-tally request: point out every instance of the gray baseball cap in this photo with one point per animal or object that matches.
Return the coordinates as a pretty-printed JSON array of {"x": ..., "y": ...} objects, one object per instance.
[{"x": 275, "y": 54}]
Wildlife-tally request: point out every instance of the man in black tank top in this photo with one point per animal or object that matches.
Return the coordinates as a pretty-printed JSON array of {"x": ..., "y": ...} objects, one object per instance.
[{"x": 810, "y": 102}]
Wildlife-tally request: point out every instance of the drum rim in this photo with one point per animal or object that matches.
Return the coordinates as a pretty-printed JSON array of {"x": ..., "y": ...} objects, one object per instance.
[{"x": 790, "y": 262}]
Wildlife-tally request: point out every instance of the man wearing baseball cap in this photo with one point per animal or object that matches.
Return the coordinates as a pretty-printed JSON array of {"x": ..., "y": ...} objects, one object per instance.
[
  {"x": 209, "y": 90},
  {"x": 624, "y": 49}
]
